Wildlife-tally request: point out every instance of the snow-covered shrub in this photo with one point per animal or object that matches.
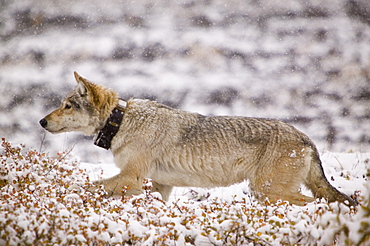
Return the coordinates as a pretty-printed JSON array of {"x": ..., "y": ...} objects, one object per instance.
[
  {"x": 350, "y": 230},
  {"x": 38, "y": 207}
]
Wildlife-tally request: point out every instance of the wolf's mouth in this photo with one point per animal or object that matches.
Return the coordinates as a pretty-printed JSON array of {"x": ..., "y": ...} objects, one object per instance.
[
  {"x": 56, "y": 131},
  {"x": 44, "y": 123}
]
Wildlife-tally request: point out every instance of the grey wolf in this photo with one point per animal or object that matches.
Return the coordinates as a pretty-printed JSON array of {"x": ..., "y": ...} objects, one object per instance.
[{"x": 178, "y": 148}]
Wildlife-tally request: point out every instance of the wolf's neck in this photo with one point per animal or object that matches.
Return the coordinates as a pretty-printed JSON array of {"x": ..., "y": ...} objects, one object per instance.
[
  {"x": 111, "y": 127},
  {"x": 109, "y": 102}
]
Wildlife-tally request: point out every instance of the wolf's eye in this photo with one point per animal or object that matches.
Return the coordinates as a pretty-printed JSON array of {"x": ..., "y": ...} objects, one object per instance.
[
  {"x": 76, "y": 105},
  {"x": 68, "y": 106}
]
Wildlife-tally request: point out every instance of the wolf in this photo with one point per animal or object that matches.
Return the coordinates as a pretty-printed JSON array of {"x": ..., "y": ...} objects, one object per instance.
[{"x": 179, "y": 148}]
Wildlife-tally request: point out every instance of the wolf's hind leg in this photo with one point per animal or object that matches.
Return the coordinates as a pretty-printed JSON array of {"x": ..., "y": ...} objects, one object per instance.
[
  {"x": 281, "y": 178},
  {"x": 281, "y": 191},
  {"x": 293, "y": 198}
]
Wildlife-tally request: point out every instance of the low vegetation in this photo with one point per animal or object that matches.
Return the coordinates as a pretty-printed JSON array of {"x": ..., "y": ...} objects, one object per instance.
[{"x": 38, "y": 207}]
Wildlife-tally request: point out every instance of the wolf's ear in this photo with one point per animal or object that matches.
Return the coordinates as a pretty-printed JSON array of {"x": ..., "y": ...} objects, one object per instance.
[{"x": 82, "y": 85}]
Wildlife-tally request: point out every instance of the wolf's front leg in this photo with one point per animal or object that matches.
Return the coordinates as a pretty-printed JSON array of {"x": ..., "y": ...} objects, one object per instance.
[
  {"x": 115, "y": 184},
  {"x": 164, "y": 190}
]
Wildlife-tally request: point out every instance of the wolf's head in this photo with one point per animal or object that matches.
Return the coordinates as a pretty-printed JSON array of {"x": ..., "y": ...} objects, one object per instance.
[{"x": 85, "y": 109}]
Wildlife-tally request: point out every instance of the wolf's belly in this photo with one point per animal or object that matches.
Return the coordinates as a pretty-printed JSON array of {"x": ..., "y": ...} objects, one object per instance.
[{"x": 200, "y": 178}]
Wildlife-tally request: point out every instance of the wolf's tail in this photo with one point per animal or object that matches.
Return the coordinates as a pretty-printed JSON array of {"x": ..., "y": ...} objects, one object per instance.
[{"x": 320, "y": 186}]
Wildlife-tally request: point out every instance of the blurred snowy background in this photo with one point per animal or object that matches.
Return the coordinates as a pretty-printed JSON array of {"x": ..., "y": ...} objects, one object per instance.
[{"x": 306, "y": 62}]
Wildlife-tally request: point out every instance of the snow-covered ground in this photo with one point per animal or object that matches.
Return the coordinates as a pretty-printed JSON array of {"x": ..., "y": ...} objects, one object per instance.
[
  {"x": 304, "y": 62},
  {"x": 38, "y": 206},
  {"x": 345, "y": 171}
]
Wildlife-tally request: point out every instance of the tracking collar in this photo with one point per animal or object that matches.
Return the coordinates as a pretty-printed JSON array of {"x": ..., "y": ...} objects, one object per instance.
[{"x": 105, "y": 135}]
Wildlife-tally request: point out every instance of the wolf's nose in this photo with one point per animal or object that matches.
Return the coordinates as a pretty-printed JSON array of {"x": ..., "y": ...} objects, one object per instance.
[{"x": 43, "y": 123}]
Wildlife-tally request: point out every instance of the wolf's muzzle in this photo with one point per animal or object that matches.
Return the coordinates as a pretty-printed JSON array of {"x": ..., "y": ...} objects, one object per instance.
[{"x": 43, "y": 122}]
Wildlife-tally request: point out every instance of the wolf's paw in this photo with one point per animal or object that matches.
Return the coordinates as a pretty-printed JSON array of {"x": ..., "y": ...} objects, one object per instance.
[
  {"x": 76, "y": 187},
  {"x": 99, "y": 190},
  {"x": 93, "y": 189}
]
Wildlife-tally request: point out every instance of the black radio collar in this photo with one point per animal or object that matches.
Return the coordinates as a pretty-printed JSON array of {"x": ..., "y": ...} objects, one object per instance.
[{"x": 107, "y": 133}]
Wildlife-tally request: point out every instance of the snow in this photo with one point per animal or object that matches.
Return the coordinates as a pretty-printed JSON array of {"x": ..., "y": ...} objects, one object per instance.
[
  {"x": 256, "y": 58},
  {"x": 346, "y": 171}
]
